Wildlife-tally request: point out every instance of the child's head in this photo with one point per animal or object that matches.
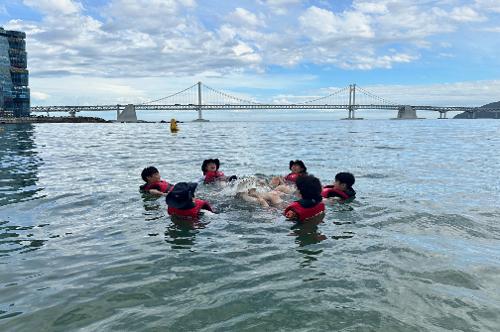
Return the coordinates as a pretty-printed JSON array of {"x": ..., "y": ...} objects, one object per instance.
[
  {"x": 297, "y": 166},
  {"x": 210, "y": 165},
  {"x": 150, "y": 174},
  {"x": 309, "y": 187},
  {"x": 181, "y": 196},
  {"x": 344, "y": 180}
]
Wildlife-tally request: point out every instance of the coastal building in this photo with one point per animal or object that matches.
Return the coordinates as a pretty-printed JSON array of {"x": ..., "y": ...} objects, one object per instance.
[{"x": 14, "y": 91}]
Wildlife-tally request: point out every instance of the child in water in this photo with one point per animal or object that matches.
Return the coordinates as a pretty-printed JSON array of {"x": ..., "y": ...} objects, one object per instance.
[
  {"x": 297, "y": 168},
  {"x": 154, "y": 183},
  {"x": 182, "y": 203},
  {"x": 211, "y": 173},
  {"x": 286, "y": 184},
  {"x": 342, "y": 188},
  {"x": 247, "y": 190},
  {"x": 310, "y": 205}
]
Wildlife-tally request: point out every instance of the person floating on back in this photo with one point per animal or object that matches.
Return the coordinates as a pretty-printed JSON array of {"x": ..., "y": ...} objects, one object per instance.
[
  {"x": 297, "y": 168},
  {"x": 341, "y": 189},
  {"x": 310, "y": 205},
  {"x": 154, "y": 183},
  {"x": 182, "y": 203},
  {"x": 211, "y": 173}
]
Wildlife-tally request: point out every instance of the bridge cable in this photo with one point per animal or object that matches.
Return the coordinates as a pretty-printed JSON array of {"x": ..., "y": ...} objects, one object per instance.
[{"x": 172, "y": 95}]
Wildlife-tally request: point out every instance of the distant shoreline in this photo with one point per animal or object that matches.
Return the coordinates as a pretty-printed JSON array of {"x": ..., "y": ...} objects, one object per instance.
[{"x": 60, "y": 119}]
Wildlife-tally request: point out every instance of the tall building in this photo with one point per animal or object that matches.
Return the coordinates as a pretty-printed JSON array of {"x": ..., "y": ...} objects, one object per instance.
[{"x": 14, "y": 91}]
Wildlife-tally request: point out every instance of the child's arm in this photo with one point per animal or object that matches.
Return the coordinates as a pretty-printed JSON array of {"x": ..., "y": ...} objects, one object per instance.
[{"x": 157, "y": 192}]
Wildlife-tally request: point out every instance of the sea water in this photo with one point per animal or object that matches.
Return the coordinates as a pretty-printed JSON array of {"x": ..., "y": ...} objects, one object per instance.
[{"x": 418, "y": 250}]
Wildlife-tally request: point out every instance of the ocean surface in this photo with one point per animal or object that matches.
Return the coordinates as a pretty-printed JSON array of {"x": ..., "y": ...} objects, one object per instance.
[{"x": 81, "y": 249}]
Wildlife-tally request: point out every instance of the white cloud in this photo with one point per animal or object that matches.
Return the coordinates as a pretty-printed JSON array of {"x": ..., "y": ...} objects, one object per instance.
[
  {"x": 467, "y": 93},
  {"x": 367, "y": 62},
  {"x": 245, "y": 17},
  {"x": 279, "y": 7},
  {"x": 39, "y": 96},
  {"x": 491, "y": 29},
  {"x": 487, "y": 5},
  {"x": 466, "y": 14},
  {"x": 321, "y": 23},
  {"x": 55, "y": 7},
  {"x": 370, "y": 7}
]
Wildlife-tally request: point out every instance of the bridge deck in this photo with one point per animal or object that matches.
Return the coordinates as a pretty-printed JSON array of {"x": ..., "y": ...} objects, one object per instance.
[{"x": 177, "y": 107}]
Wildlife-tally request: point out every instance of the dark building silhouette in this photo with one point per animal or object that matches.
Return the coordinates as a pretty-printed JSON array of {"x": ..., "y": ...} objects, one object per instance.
[{"x": 14, "y": 91}]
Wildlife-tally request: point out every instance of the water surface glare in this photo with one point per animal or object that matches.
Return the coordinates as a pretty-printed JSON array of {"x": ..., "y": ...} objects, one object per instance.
[{"x": 418, "y": 250}]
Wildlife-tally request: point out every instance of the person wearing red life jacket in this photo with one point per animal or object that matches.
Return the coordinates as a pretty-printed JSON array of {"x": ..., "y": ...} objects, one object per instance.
[
  {"x": 297, "y": 168},
  {"x": 310, "y": 205},
  {"x": 341, "y": 189},
  {"x": 154, "y": 183},
  {"x": 211, "y": 173},
  {"x": 182, "y": 203}
]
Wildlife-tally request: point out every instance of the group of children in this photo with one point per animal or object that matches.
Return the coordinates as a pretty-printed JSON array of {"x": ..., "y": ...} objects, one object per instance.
[{"x": 181, "y": 200}]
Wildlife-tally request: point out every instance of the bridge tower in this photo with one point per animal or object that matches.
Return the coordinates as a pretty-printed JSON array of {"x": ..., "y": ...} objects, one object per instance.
[
  {"x": 200, "y": 103},
  {"x": 352, "y": 102}
]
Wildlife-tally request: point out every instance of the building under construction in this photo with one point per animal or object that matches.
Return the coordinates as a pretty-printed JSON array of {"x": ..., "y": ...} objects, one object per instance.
[{"x": 14, "y": 91}]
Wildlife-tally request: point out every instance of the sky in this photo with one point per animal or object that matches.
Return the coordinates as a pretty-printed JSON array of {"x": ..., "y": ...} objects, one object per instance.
[{"x": 438, "y": 52}]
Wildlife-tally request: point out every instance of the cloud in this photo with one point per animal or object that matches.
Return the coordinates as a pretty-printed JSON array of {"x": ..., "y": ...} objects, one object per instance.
[
  {"x": 279, "y": 7},
  {"x": 367, "y": 62},
  {"x": 245, "y": 17},
  {"x": 170, "y": 38},
  {"x": 491, "y": 29},
  {"x": 322, "y": 24},
  {"x": 370, "y": 7},
  {"x": 466, "y": 14},
  {"x": 467, "y": 93},
  {"x": 39, "y": 96},
  {"x": 55, "y": 7},
  {"x": 487, "y": 5}
]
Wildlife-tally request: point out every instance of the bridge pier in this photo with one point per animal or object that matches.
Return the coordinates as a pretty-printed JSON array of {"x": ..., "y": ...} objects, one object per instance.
[
  {"x": 127, "y": 115},
  {"x": 72, "y": 114},
  {"x": 471, "y": 115},
  {"x": 442, "y": 115},
  {"x": 407, "y": 112}
]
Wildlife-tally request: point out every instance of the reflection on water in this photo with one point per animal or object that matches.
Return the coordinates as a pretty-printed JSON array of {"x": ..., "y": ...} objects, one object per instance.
[
  {"x": 181, "y": 233},
  {"x": 19, "y": 163},
  {"x": 17, "y": 239},
  {"x": 308, "y": 233}
]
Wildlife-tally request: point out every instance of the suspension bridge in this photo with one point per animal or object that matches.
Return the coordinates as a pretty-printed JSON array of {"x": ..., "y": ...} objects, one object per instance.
[{"x": 200, "y": 97}]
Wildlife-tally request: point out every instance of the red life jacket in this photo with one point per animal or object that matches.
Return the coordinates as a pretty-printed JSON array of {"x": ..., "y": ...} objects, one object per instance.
[
  {"x": 211, "y": 176},
  {"x": 305, "y": 213},
  {"x": 161, "y": 185},
  {"x": 329, "y": 191},
  {"x": 292, "y": 177},
  {"x": 194, "y": 212}
]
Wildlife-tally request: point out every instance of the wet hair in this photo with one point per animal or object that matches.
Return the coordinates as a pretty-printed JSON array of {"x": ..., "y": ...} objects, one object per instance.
[
  {"x": 300, "y": 163},
  {"x": 309, "y": 187},
  {"x": 208, "y": 161},
  {"x": 345, "y": 177},
  {"x": 148, "y": 171}
]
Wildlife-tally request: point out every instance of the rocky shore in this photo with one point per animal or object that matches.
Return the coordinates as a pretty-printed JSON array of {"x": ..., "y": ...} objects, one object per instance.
[{"x": 58, "y": 119}]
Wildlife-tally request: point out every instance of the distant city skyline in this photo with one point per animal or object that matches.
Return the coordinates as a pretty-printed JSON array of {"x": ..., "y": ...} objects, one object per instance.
[{"x": 441, "y": 52}]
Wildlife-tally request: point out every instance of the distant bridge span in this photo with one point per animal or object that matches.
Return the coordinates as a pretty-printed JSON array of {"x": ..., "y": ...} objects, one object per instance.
[{"x": 347, "y": 96}]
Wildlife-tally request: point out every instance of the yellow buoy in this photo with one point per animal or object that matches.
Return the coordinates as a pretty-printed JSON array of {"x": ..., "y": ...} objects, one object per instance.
[{"x": 173, "y": 126}]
